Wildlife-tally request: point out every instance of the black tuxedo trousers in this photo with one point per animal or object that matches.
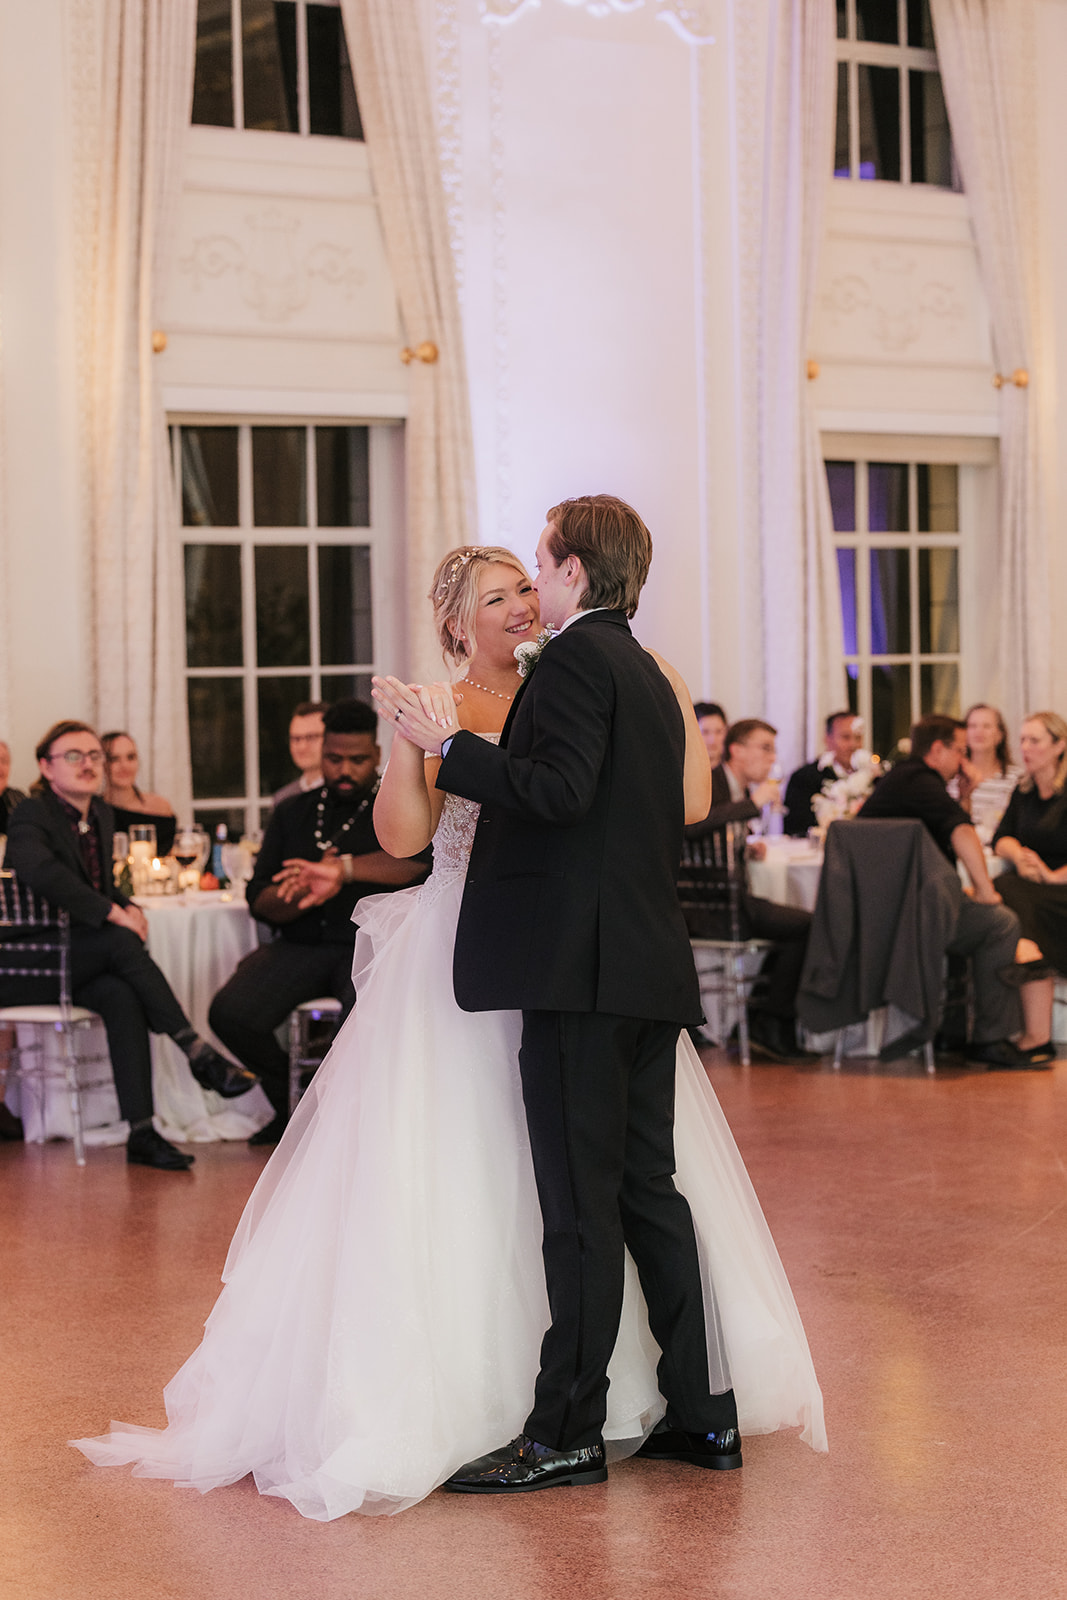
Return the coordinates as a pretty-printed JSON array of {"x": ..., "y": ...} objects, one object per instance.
[{"x": 599, "y": 1097}]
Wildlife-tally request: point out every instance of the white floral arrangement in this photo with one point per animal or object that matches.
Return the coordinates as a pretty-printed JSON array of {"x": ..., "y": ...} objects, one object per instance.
[
  {"x": 841, "y": 798},
  {"x": 528, "y": 654}
]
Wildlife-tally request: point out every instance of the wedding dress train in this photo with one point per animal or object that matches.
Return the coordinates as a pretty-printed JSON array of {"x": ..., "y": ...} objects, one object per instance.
[{"x": 384, "y": 1295}]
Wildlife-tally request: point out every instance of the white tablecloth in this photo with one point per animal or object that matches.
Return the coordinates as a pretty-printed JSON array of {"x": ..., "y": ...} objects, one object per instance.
[{"x": 788, "y": 874}]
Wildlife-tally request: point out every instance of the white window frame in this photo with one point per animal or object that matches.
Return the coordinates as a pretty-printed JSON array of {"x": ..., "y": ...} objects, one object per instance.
[
  {"x": 237, "y": 66},
  {"x": 855, "y": 52},
  {"x": 383, "y": 536}
]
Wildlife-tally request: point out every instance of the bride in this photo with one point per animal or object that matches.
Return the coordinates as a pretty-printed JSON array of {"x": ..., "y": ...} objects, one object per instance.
[{"x": 384, "y": 1296}]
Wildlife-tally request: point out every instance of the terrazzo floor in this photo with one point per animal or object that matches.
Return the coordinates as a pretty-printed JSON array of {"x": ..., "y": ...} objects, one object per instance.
[{"x": 924, "y": 1228}]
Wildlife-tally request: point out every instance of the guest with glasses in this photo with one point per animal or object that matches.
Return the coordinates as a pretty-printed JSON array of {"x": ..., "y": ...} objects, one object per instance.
[
  {"x": 306, "y": 727},
  {"x": 60, "y": 846},
  {"x": 129, "y": 804}
]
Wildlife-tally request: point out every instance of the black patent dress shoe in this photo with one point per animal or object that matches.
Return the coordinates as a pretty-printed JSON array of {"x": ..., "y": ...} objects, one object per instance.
[
  {"x": 272, "y": 1131},
  {"x": 720, "y": 1451},
  {"x": 1000, "y": 1055},
  {"x": 213, "y": 1071},
  {"x": 524, "y": 1465},
  {"x": 147, "y": 1148}
]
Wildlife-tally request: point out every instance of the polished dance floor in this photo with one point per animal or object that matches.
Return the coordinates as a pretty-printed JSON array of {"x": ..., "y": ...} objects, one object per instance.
[{"x": 923, "y": 1225}]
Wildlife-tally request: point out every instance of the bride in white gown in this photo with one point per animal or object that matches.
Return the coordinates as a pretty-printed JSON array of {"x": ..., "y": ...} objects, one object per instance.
[{"x": 384, "y": 1296}]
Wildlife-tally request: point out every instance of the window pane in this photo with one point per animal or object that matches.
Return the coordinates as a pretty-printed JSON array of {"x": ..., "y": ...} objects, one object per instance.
[
  {"x": 890, "y": 603},
  {"x": 213, "y": 605},
  {"x": 879, "y": 96},
  {"x": 890, "y": 707},
  {"x": 269, "y": 44},
  {"x": 279, "y": 477},
  {"x": 209, "y": 477},
  {"x": 852, "y": 682},
  {"x": 213, "y": 83},
  {"x": 939, "y": 603},
  {"x": 217, "y": 736},
  {"x": 346, "y": 686},
  {"x": 939, "y": 687},
  {"x": 342, "y": 477},
  {"x": 887, "y": 497},
  {"x": 931, "y": 143},
  {"x": 232, "y": 816},
  {"x": 283, "y": 628},
  {"x": 846, "y": 576},
  {"x": 842, "y": 168},
  {"x": 841, "y": 481},
  {"x": 920, "y": 26},
  {"x": 877, "y": 20},
  {"x": 842, "y": 19},
  {"x": 938, "y": 488},
  {"x": 277, "y": 699},
  {"x": 345, "y": 632},
  {"x": 331, "y": 91}
]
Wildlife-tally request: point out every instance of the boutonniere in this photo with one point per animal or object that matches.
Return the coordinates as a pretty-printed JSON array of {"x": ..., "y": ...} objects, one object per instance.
[{"x": 529, "y": 654}]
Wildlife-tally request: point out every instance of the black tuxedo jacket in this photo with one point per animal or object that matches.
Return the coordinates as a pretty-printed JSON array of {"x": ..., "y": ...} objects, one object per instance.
[
  {"x": 43, "y": 853},
  {"x": 570, "y": 901},
  {"x": 724, "y": 808}
]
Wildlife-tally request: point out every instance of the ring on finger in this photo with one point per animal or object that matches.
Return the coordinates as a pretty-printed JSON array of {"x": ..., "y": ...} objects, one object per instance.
[{"x": 397, "y": 714}]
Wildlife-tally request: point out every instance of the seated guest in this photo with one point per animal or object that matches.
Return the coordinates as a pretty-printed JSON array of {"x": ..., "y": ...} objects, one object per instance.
[
  {"x": 1033, "y": 836},
  {"x": 844, "y": 735},
  {"x": 9, "y": 798},
  {"x": 319, "y": 856},
  {"x": 305, "y": 747},
  {"x": 712, "y": 722},
  {"x": 986, "y": 931},
  {"x": 126, "y": 800},
  {"x": 987, "y": 774},
  {"x": 59, "y": 844},
  {"x": 740, "y": 788}
]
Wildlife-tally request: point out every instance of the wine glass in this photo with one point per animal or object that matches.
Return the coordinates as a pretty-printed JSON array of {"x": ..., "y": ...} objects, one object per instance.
[{"x": 190, "y": 851}]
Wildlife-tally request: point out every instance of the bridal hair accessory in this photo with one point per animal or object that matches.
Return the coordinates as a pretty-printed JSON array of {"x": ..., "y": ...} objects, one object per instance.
[
  {"x": 452, "y": 570},
  {"x": 529, "y": 654}
]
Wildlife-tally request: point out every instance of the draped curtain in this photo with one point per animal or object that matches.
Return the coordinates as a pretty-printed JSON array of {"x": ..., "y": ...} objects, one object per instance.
[
  {"x": 985, "y": 49},
  {"x": 146, "y": 88},
  {"x": 392, "y": 84},
  {"x": 803, "y": 668}
]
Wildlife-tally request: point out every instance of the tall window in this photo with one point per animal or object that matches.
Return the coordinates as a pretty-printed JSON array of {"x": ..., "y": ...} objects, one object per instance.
[
  {"x": 279, "y": 65},
  {"x": 281, "y": 560},
  {"x": 891, "y": 117},
  {"x": 896, "y": 528}
]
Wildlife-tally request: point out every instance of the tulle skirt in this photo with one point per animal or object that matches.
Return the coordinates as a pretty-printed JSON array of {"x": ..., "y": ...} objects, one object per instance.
[{"x": 384, "y": 1296}]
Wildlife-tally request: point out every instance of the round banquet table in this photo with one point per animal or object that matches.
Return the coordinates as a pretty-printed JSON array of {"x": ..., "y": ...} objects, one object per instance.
[{"x": 788, "y": 874}]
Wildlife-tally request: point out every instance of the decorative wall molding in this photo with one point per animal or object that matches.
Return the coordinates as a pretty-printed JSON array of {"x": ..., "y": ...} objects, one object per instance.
[
  {"x": 691, "y": 21},
  {"x": 447, "y": 104},
  {"x": 275, "y": 274},
  {"x": 893, "y": 305}
]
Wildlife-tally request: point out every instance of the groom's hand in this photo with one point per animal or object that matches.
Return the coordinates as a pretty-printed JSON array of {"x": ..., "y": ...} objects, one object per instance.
[{"x": 425, "y": 715}]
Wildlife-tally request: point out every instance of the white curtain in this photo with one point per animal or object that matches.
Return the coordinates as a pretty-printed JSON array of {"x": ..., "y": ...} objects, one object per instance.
[
  {"x": 392, "y": 84},
  {"x": 985, "y": 49},
  {"x": 803, "y": 670},
  {"x": 146, "y": 87}
]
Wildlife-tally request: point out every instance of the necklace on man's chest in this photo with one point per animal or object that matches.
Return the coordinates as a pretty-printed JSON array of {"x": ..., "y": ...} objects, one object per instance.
[{"x": 321, "y": 840}]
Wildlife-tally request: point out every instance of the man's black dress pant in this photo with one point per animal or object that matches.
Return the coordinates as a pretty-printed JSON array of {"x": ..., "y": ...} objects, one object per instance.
[
  {"x": 599, "y": 1097},
  {"x": 267, "y": 985},
  {"x": 113, "y": 974}
]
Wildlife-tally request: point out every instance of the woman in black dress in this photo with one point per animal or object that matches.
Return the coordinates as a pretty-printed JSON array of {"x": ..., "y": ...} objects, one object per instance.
[
  {"x": 1032, "y": 836},
  {"x": 130, "y": 805}
]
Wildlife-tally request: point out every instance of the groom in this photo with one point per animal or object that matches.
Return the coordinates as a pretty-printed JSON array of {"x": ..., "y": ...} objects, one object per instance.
[{"x": 570, "y": 914}]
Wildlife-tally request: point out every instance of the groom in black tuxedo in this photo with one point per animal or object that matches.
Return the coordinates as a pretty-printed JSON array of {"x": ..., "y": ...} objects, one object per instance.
[{"x": 570, "y": 914}]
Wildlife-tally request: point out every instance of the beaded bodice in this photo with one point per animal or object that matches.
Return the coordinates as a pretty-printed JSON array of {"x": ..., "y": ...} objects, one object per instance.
[{"x": 455, "y": 832}]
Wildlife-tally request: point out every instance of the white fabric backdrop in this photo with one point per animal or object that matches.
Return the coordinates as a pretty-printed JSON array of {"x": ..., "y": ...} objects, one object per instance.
[
  {"x": 392, "y": 84},
  {"x": 986, "y": 52},
  {"x": 803, "y": 647},
  {"x": 146, "y": 87}
]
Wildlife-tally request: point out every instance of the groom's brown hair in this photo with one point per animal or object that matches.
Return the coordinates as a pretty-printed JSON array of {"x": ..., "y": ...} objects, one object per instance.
[{"x": 611, "y": 542}]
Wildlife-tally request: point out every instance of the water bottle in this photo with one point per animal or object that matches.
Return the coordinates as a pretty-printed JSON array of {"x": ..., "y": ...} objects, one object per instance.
[{"x": 221, "y": 837}]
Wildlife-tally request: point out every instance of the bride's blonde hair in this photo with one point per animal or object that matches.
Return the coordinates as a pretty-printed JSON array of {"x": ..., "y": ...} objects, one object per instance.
[{"x": 454, "y": 593}]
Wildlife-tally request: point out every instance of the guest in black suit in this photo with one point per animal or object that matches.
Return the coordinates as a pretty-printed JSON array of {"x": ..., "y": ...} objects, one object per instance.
[
  {"x": 59, "y": 844},
  {"x": 319, "y": 856},
  {"x": 844, "y": 735},
  {"x": 740, "y": 788},
  {"x": 570, "y": 914}
]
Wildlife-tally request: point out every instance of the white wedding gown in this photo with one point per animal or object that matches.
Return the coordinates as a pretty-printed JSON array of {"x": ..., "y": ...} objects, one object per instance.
[{"x": 384, "y": 1295}]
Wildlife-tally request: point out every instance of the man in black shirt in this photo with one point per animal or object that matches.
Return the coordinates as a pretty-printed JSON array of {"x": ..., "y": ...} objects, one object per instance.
[
  {"x": 319, "y": 856},
  {"x": 986, "y": 930}
]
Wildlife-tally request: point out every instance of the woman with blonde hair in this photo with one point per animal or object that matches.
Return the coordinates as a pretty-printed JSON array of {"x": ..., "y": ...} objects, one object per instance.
[
  {"x": 384, "y": 1298},
  {"x": 1032, "y": 836}
]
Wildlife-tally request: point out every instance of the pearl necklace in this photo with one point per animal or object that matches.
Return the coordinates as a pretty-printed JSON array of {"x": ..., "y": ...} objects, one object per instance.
[
  {"x": 486, "y": 690},
  {"x": 320, "y": 813}
]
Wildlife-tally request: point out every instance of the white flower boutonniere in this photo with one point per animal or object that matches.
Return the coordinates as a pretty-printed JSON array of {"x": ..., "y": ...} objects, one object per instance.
[{"x": 529, "y": 654}]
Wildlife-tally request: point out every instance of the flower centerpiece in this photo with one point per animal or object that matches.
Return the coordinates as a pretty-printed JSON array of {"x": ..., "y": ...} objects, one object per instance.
[{"x": 841, "y": 798}]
